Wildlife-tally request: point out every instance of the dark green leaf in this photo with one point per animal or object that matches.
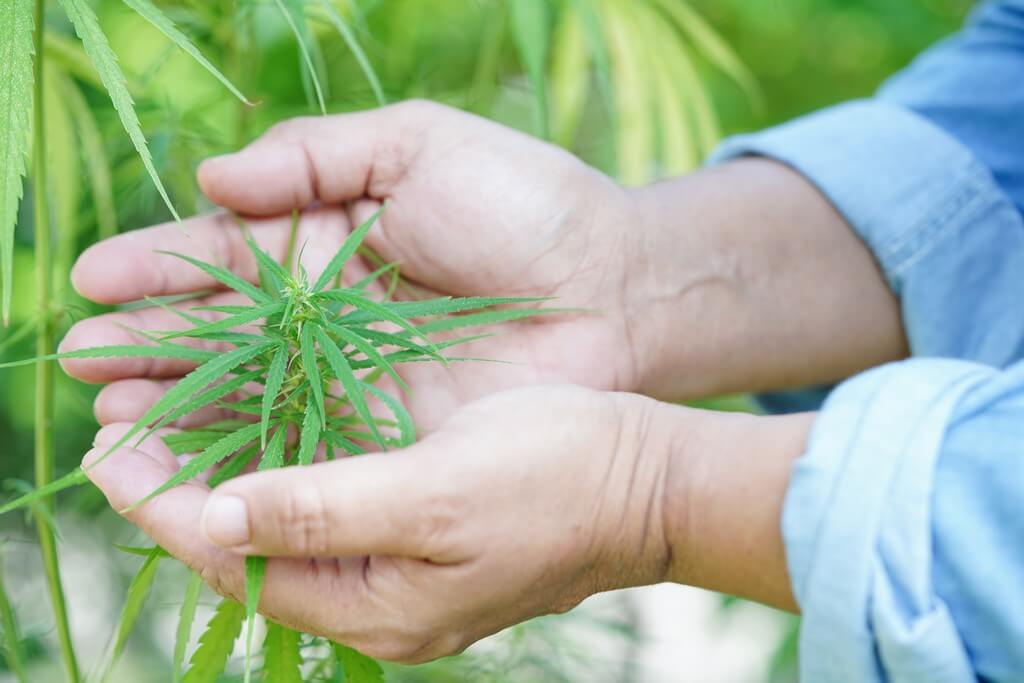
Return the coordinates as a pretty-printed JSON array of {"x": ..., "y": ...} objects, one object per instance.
[
  {"x": 138, "y": 591},
  {"x": 353, "y": 390},
  {"x": 225, "y": 277},
  {"x": 310, "y": 436},
  {"x": 275, "y": 377},
  {"x": 307, "y": 346},
  {"x": 273, "y": 456},
  {"x": 406, "y": 428}
]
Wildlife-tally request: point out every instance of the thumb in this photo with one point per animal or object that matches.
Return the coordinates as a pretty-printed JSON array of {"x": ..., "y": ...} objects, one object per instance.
[
  {"x": 327, "y": 159},
  {"x": 368, "y": 505}
]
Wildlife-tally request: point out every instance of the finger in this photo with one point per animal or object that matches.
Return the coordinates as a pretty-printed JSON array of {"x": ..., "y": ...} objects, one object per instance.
[
  {"x": 328, "y": 159},
  {"x": 293, "y": 590},
  {"x": 371, "y": 505},
  {"x": 114, "y": 329},
  {"x": 128, "y": 267}
]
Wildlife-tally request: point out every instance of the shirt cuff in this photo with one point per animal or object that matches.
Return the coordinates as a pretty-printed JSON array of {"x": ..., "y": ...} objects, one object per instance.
[
  {"x": 948, "y": 240},
  {"x": 857, "y": 524}
]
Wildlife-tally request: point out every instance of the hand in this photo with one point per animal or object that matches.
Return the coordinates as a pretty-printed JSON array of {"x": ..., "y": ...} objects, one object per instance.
[
  {"x": 521, "y": 504},
  {"x": 473, "y": 209}
]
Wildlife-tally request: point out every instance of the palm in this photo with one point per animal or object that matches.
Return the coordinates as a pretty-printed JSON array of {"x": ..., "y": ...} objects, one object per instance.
[{"x": 475, "y": 210}]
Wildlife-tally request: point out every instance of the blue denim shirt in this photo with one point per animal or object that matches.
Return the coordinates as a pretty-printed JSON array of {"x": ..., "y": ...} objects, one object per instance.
[{"x": 904, "y": 520}]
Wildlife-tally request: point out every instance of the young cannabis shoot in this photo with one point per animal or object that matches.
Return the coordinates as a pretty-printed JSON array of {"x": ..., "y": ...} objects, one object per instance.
[{"x": 302, "y": 357}]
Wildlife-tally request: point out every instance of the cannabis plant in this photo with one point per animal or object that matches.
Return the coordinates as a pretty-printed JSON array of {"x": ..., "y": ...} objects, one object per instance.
[{"x": 302, "y": 357}]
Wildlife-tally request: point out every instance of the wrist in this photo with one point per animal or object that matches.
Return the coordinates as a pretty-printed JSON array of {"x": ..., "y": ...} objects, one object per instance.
[{"x": 726, "y": 482}]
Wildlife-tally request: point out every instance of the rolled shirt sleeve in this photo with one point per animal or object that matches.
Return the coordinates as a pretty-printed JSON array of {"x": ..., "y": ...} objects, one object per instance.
[{"x": 904, "y": 527}]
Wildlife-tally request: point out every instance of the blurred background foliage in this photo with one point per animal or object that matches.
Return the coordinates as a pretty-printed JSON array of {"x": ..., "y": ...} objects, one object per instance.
[{"x": 640, "y": 88}]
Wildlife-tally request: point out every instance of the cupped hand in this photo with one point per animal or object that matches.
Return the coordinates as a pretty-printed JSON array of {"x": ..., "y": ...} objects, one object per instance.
[
  {"x": 472, "y": 209},
  {"x": 521, "y": 504}
]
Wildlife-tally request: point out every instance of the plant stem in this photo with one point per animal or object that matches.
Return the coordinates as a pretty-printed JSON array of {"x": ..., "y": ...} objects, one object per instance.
[
  {"x": 45, "y": 455},
  {"x": 12, "y": 646}
]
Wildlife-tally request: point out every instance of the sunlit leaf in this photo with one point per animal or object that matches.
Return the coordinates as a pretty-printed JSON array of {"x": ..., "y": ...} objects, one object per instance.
[
  {"x": 216, "y": 643},
  {"x": 282, "y": 659},
  {"x": 357, "y": 667},
  {"x": 16, "y": 51},
  {"x": 185, "y": 618},
  {"x": 103, "y": 59},
  {"x": 255, "y": 570},
  {"x": 138, "y": 591},
  {"x": 295, "y": 17}
]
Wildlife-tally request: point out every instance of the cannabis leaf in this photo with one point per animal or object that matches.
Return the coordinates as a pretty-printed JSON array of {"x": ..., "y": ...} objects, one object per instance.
[{"x": 216, "y": 643}]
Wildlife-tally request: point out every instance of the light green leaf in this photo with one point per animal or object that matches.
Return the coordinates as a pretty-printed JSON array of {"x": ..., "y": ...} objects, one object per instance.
[
  {"x": 282, "y": 659},
  {"x": 16, "y": 51},
  {"x": 448, "y": 305},
  {"x": 138, "y": 591},
  {"x": 406, "y": 428},
  {"x": 185, "y": 618},
  {"x": 64, "y": 172},
  {"x": 357, "y": 667},
  {"x": 130, "y": 351},
  {"x": 368, "y": 349},
  {"x": 232, "y": 469},
  {"x": 293, "y": 14},
  {"x": 255, "y": 570},
  {"x": 307, "y": 346},
  {"x": 310, "y": 435},
  {"x": 14, "y": 655},
  {"x": 353, "y": 390},
  {"x": 225, "y": 277},
  {"x": 357, "y": 50},
  {"x": 273, "y": 456},
  {"x": 151, "y": 13},
  {"x": 484, "y": 318},
  {"x": 206, "y": 459},
  {"x": 96, "y": 46},
  {"x": 348, "y": 249},
  {"x": 370, "y": 309},
  {"x": 203, "y": 399},
  {"x": 531, "y": 30},
  {"x": 75, "y": 477},
  {"x": 231, "y": 322},
  {"x": 275, "y": 377},
  {"x": 598, "y": 52},
  {"x": 273, "y": 275},
  {"x": 216, "y": 643}
]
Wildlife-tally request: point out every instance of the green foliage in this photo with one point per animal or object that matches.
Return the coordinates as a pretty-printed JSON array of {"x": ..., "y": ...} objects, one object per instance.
[
  {"x": 216, "y": 643},
  {"x": 357, "y": 667},
  {"x": 185, "y": 618},
  {"x": 16, "y": 53},
  {"x": 282, "y": 659},
  {"x": 531, "y": 28},
  {"x": 255, "y": 570},
  {"x": 138, "y": 591}
]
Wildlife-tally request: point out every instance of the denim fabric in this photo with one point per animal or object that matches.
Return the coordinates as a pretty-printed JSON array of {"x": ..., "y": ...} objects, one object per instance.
[{"x": 904, "y": 520}]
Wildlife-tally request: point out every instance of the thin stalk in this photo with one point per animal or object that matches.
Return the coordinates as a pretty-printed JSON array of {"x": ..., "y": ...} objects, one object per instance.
[
  {"x": 45, "y": 456},
  {"x": 12, "y": 638}
]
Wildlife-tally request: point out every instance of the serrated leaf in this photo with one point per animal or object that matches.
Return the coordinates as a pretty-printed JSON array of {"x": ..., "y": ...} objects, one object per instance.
[
  {"x": 357, "y": 50},
  {"x": 295, "y": 18},
  {"x": 273, "y": 275},
  {"x": 206, "y": 459},
  {"x": 406, "y": 428},
  {"x": 16, "y": 52},
  {"x": 203, "y": 399},
  {"x": 484, "y": 318},
  {"x": 307, "y": 347},
  {"x": 338, "y": 441},
  {"x": 231, "y": 322},
  {"x": 389, "y": 339},
  {"x": 194, "y": 381},
  {"x": 273, "y": 455},
  {"x": 138, "y": 591},
  {"x": 372, "y": 277},
  {"x": 82, "y": 16},
  {"x": 442, "y": 306},
  {"x": 347, "y": 251},
  {"x": 282, "y": 659},
  {"x": 357, "y": 667},
  {"x": 216, "y": 643},
  {"x": 275, "y": 377},
  {"x": 255, "y": 570},
  {"x": 191, "y": 440},
  {"x": 172, "y": 351},
  {"x": 531, "y": 30},
  {"x": 374, "y": 310},
  {"x": 369, "y": 351},
  {"x": 75, "y": 477},
  {"x": 225, "y": 277},
  {"x": 185, "y": 618},
  {"x": 233, "y": 468},
  {"x": 310, "y": 435},
  {"x": 353, "y": 390},
  {"x": 163, "y": 23}
]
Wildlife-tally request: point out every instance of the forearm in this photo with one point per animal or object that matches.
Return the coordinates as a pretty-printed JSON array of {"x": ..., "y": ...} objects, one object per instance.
[{"x": 745, "y": 278}]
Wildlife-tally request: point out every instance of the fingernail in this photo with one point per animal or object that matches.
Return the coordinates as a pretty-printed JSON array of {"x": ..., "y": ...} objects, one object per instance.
[{"x": 226, "y": 521}]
